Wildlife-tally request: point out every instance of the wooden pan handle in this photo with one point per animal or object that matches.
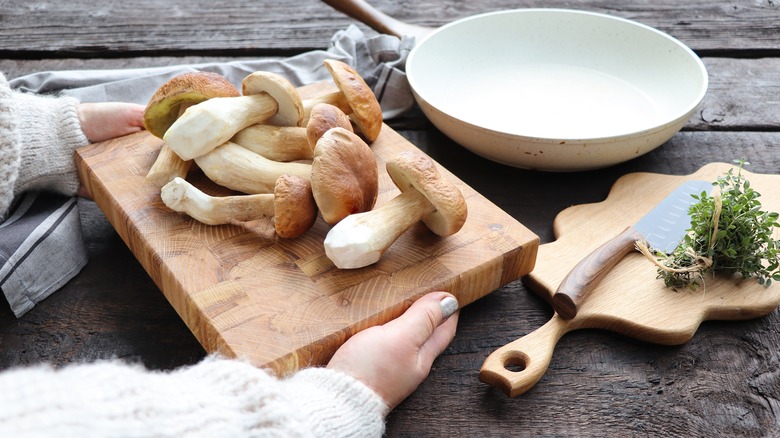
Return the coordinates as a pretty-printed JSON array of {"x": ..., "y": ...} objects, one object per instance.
[
  {"x": 383, "y": 23},
  {"x": 516, "y": 367},
  {"x": 589, "y": 272}
]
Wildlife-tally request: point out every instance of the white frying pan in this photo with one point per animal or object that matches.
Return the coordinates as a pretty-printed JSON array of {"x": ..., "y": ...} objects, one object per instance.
[{"x": 549, "y": 89}]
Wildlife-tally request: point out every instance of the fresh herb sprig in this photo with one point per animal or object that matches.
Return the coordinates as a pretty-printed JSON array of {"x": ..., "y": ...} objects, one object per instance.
[{"x": 729, "y": 234}]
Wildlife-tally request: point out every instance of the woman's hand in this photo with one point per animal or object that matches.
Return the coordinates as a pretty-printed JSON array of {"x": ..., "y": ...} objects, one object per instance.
[
  {"x": 394, "y": 358},
  {"x": 105, "y": 120}
]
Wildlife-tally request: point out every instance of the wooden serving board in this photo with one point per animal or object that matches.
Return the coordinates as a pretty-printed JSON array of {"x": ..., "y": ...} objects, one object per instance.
[
  {"x": 281, "y": 303},
  {"x": 630, "y": 299}
]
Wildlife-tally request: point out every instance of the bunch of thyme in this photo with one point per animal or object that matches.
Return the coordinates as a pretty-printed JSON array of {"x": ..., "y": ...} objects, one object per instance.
[{"x": 729, "y": 234}]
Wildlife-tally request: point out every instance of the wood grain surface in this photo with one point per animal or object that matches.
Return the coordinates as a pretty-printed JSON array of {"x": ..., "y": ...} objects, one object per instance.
[
  {"x": 725, "y": 381},
  {"x": 245, "y": 292},
  {"x": 265, "y": 27}
]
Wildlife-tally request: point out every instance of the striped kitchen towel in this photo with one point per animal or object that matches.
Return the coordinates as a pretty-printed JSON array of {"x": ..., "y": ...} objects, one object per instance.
[{"x": 41, "y": 248}]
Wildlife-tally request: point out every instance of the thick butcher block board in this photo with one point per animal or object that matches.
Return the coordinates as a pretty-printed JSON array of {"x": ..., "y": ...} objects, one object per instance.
[
  {"x": 280, "y": 302},
  {"x": 630, "y": 299}
]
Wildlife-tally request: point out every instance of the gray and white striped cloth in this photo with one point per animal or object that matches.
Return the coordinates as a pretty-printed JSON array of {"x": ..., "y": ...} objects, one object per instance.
[{"x": 41, "y": 245}]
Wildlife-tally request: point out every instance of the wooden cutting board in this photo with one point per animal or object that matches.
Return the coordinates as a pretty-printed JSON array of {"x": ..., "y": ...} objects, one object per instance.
[
  {"x": 629, "y": 300},
  {"x": 281, "y": 303}
]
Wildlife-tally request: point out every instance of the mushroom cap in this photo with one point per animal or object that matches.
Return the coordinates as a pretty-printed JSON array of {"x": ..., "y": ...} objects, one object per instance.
[
  {"x": 366, "y": 112},
  {"x": 294, "y": 207},
  {"x": 344, "y": 175},
  {"x": 290, "y": 111},
  {"x": 185, "y": 89},
  {"x": 323, "y": 117},
  {"x": 413, "y": 170}
]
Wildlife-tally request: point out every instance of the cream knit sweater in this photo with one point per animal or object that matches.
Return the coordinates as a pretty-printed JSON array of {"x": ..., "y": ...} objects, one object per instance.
[
  {"x": 37, "y": 138},
  {"x": 215, "y": 398}
]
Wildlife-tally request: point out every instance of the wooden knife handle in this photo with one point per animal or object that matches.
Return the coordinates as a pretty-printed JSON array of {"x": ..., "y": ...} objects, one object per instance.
[{"x": 590, "y": 270}]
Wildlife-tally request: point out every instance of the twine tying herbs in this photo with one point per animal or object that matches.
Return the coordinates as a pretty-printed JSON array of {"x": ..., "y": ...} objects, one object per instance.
[{"x": 729, "y": 233}]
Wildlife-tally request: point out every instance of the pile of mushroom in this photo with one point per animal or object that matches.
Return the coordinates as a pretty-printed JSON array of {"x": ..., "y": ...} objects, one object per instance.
[
  {"x": 255, "y": 143},
  {"x": 292, "y": 160}
]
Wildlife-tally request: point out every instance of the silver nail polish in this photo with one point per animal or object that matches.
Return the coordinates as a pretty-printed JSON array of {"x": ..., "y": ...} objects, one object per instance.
[{"x": 448, "y": 306}]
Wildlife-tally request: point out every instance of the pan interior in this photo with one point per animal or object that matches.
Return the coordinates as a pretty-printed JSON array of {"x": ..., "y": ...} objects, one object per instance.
[{"x": 556, "y": 74}]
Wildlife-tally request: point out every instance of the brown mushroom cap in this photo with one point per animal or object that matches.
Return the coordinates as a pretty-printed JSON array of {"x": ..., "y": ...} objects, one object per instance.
[
  {"x": 344, "y": 175},
  {"x": 185, "y": 89},
  {"x": 366, "y": 112},
  {"x": 413, "y": 170},
  {"x": 294, "y": 208},
  {"x": 290, "y": 112},
  {"x": 325, "y": 116}
]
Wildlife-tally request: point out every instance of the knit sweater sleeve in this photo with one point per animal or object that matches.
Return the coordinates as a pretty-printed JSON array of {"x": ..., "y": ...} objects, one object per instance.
[
  {"x": 38, "y": 135},
  {"x": 214, "y": 398}
]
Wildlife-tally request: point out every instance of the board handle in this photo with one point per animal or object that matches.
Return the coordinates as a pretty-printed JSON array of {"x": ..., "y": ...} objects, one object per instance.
[
  {"x": 590, "y": 270},
  {"x": 377, "y": 20},
  {"x": 517, "y": 366}
]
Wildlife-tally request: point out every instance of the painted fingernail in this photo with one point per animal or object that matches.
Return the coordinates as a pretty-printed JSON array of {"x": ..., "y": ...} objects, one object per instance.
[{"x": 448, "y": 306}]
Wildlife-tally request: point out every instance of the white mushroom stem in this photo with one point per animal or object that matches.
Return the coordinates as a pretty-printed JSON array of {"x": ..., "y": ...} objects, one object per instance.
[
  {"x": 212, "y": 122},
  {"x": 335, "y": 98},
  {"x": 168, "y": 165},
  {"x": 181, "y": 196},
  {"x": 278, "y": 143},
  {"x": 361, "y": 239},
  {"x": 240, "y": 169},
  {"x": 291, "y": 143}
]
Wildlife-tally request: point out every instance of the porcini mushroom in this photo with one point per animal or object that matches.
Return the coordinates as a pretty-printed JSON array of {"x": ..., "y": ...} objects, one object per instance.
[
  {"x": 291, "y": 205},
  {"x": 354, "y": 97},
  {"x": 291, "y": 143},
  {"x": 267, "y": 98},
  {"x": 169, "y": 102},
  {"x": 361, "y": 239},
  {"x": 240, "y": 169},
  {"x": 344, "y": 175}
]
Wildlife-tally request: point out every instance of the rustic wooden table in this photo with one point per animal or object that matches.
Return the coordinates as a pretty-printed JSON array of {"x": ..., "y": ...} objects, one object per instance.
[{"x": 725, "y": 381}]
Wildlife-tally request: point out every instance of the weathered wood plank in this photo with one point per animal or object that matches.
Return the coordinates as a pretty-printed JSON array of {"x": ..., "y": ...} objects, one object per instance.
[
  {"x": 112, "y": 309},
  {"x": 742, "y": 95},
  {"x": 85, "y": 28},
  {"x": 508, "y": 187},
  {"x": 726, "y": 380}
]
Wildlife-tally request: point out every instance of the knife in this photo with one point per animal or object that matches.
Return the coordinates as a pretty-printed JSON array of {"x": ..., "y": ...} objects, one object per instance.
[{"x": 664, "y": 227}]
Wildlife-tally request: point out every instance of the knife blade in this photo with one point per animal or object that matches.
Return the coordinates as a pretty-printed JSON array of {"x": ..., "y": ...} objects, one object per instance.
[{"x": 663, "y": 227}]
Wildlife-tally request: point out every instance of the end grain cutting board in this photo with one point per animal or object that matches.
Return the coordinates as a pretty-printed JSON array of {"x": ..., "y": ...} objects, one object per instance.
[
  {"x": 629, "y": 300},
  {"x": 281, "y": 303}
]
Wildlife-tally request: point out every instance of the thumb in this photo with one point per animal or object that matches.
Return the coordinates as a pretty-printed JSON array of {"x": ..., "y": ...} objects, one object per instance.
[{"x": 429, "y": 323}]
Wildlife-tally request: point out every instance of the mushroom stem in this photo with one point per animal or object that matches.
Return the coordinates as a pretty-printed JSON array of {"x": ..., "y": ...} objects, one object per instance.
[
  {"x": 361, "y": 239},
  {"x": 290, "y": 143},
  {"x": 335, "y": 98},
  {"x": 278, "y": 143},
  {"x": 168, "y": 165},
  {"x": 208, "y": 124},
  {"x": 179, "y": 195},
  {"x": 238, "y": 168}
]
